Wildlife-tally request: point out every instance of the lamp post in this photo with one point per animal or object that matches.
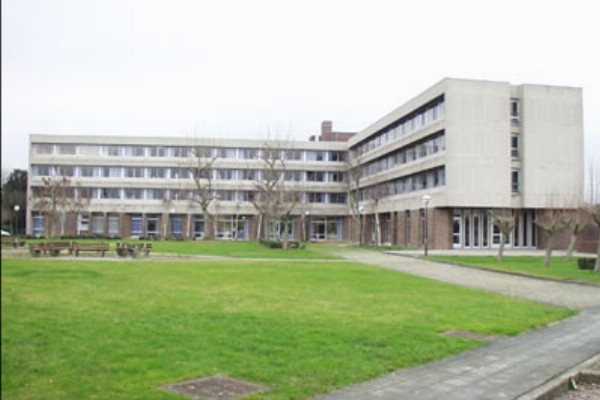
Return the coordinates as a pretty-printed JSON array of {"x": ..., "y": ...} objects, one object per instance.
[
  {"x": 16, "y": 208},
  {"x": 426, "y": 199},
  {"x": 361, "y": 227}
]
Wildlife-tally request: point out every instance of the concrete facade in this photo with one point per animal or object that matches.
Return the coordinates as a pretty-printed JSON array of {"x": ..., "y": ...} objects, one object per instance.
[{"x": 474, "y": 146}]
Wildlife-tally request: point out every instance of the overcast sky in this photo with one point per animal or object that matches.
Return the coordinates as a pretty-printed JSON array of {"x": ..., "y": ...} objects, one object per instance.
[{"x": 247, "y": 69}]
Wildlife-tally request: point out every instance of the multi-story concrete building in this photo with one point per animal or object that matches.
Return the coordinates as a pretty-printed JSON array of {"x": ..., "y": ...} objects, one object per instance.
[{"x": 474, "y": 147}]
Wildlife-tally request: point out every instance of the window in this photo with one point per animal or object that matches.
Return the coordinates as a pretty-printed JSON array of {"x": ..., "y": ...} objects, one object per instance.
[
  {"x": 98, "y": 224},
  {"x": 66, "y": 149},
  {"x": 246, "y": 174},
  {"x": 175, "y": 173},
  {"x": 88, "y": 172},
  {"x": 337, "y": 198},
  {"x": 515, "y": 180},
  {"x": 65, "y": 171},
  {"x": 246, "y": 195},
  {"x": 226, "y": 153},
  {"x": 202, "y": 152},
  {"x": 114, "y": 225},
  {"x": 198, "y": 227},
  {"x": 134, "y": 194},
  {"x": 247, "y": 154},
  {"x": 43, "y": 150},
  {"x": 514, "y": 145},
  {"x": 88, "y": 150},
  {"x": 336, "y": 176},
  {"x": 111, "y": 172},
  {"x": 294, "y": 155},
  {"x": 315, "y": 156},
  {"x": 131, "y": 172},
  {"x": 314, "y": 176},
  {"x": 225, "y": 174},
  {"x": 316, "y": 197},
  {"x": 293, "y": 176},
  {"x": 38, "y": 224},
  {"x": 40, "y": 170},
  {"x": 112, "y": 151},
  {"x": 176, "y": 223},
  {"x": 336, "y": 156},
  {"x": 514, "y": 111},
  {"x": 83, "y": 220},
  {"x": 155, "y": 194},
  {"x": 110, "y": 193},
  {"x": 152, "y": 225},
  {"x": 134, "y": 151},
  {"x": 157, "y": 173},
  {"x": 226, "y": 195},
  {"x": 157, "y": 151},
  {"x": 136, "y": 225}
]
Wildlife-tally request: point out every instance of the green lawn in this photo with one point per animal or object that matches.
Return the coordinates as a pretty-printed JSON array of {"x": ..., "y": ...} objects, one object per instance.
[
  {"x": 242, "y": 249},
  {"x": 559, "y": 268},
  {"x": 120, "y": 329}
]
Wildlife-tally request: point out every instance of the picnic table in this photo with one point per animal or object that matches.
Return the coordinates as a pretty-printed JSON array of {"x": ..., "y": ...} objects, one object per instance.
[
  {"x": 133, "y": 249},
  {"x": 13, "y": 242},
  {"x": 97, "y": 247},
  {"x": 51, "y": 248}
]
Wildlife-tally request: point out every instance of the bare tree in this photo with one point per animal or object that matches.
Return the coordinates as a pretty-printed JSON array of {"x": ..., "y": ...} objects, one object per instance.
[
  {"x": 202, "y": 171},
  {"x": 505, "y": 222},
  {"x": 274, "y": 200},
  {"x": 56, "y": 198},
  {"x": 353, "y": 178},
  {"x": 592, "y": 207},
  {"x": 575, "y": 223},
  {"x": 552, "y": 222}
]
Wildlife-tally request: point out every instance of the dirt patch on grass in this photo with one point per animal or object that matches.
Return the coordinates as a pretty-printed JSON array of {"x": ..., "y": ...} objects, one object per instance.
[{"x": 214, "y": 388}]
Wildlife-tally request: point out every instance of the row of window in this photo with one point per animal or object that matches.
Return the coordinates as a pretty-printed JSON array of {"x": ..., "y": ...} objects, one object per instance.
[
  {"x": 227, "y": 226},
  {"x": 225, "y": 174},
  {"x": 174, "y": 194},
  {"x": 185, "y": 152},
  {"x": 423, "y": 148},
  {"x": 431, "y": 112},
  {"x": 422, "y": 180}
]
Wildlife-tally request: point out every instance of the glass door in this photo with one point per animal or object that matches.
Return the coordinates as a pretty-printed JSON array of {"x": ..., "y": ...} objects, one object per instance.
[{"x": 457, "y": 230}]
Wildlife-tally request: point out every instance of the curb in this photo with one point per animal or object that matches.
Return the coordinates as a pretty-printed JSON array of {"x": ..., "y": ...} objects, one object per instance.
[{"x": 556, "y": 385}]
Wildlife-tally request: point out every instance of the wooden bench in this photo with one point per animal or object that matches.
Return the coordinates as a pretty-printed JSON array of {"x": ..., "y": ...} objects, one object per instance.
[
  {"x": 133, "y": 249},
  {"x": 97, "y": 247},
  {"x": 13, "y": 242}
]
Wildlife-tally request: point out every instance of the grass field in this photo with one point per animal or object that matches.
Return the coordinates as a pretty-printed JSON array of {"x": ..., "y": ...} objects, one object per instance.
[
  {"x": 120, "y": 329},
  {"x": 559, "y": 268},
  {"x": 241, "y": 249}
]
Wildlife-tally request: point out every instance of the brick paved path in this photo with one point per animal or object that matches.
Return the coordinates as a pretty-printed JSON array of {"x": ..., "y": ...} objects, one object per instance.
[{"x": 504, "y": 369}]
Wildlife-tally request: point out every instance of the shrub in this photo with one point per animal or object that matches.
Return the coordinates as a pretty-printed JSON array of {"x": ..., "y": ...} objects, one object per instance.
[
  {"x": 586, "y": 263},
  {"x": 271, "y": 244}
]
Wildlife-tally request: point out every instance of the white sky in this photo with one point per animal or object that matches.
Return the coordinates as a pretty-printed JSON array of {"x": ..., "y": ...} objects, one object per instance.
[{"x": 254, "y": 68}]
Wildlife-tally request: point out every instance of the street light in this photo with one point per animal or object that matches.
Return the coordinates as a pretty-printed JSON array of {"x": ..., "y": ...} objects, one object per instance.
[
  {"x": 17, "y": 208},
  {"x": 426, "y": 199}
]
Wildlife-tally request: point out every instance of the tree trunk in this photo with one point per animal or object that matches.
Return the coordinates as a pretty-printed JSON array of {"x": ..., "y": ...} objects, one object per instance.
[
  {"x": 377, "y": 230},
  {"x": 549, "y": 250},
  {"x": 597, "y": 267},
  {"x": 285, "y": 234},
  {"x": 259, "y": 227},
  {"x": 501, "y": 249},
  {"x": 571, "y": 247},
  {"x": 360, "y": 231}
]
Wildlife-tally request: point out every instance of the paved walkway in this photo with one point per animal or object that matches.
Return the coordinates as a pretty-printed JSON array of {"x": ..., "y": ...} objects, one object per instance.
[
  {"x": 505, "y": 369},
  {"x": 543, "y": 291}
]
